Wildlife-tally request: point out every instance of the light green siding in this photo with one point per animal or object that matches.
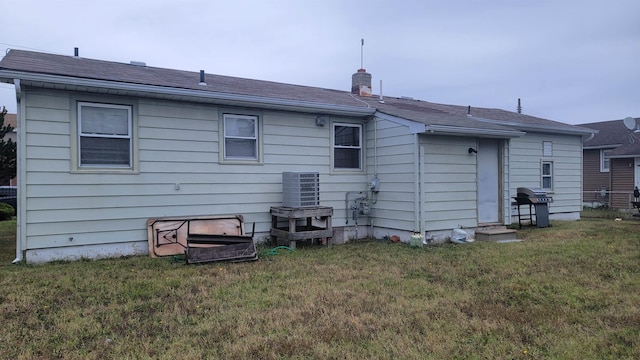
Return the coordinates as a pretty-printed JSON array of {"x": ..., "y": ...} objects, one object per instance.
[
  {"x": 427, "y": 182},
  {"x": 449, "y": 183},
  {"x": 179, "y": 173},
  {"x": 526, "y": 166},
  {"x": 396, "y": 201}
]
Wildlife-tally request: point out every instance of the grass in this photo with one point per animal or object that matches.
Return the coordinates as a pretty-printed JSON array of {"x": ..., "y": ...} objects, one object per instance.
[
  {"x": 567, "y": 292},
  {"x": 606, "y": 213}
]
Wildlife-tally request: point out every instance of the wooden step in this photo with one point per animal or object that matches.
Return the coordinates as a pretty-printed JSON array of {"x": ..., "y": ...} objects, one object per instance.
[{"x": 495, "y": 235}]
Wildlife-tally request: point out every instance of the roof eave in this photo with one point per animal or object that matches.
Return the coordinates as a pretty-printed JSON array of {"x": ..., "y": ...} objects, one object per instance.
[
  {"x": 458, "y": 131},
  {"x": 600, "y": 147},
  {"x": 539, "y": 128},
  {"x": 626, "y": 156},
  {"x": 416, "y": 127},
  {"x": 54, "y": 81},
  {"x": 546, "y": 129}
]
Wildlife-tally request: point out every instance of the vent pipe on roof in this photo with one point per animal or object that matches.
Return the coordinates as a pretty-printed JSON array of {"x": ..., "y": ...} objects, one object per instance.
[
  {"x": 76, "y": 51},
  {"x": 519, "y": 107},
  {"x": 469, "y": 111},
  {"x": 202, "y": 78}
]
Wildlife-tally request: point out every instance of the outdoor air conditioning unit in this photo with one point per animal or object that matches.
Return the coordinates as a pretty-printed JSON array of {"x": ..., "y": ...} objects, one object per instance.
[{"x": 300, "y": 189}]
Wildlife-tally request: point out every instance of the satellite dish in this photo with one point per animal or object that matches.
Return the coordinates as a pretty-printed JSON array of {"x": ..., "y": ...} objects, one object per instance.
[{"x": 630, "y": 123}]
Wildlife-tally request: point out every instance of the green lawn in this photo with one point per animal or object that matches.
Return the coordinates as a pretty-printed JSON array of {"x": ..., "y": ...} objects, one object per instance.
[
  {"x": 7, "y": 241},
  {"x": 567, "y": 292}
]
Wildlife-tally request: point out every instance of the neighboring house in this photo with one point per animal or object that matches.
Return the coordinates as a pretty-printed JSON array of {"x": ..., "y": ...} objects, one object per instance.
[
  {"x": 109, "y": 145},
  {"x": 611, "y": 164},
  {"x": 10, "y": 119}
]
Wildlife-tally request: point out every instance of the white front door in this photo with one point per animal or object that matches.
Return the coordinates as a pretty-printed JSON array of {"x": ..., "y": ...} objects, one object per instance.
[{"x": 488, "y": 184}]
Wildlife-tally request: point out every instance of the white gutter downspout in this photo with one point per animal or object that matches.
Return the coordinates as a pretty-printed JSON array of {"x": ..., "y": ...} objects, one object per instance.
[
  {"x": 375, "y": 146},
  {"x": 22, "y": 172},
  {"x": 507, "y": 152},
  {"x": 416, "y": 185},
  {"x": 589, "y": 137}
]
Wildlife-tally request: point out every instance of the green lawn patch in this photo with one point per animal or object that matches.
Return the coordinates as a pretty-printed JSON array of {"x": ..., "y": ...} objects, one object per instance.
[{"x": 571, "y": 291}]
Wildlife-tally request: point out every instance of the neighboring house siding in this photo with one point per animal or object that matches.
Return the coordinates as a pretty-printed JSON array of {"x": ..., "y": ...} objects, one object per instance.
[
  {"x": 395, "y": 204},
  {"x": 594, "y": 179},
  {"x": 622, "y": 182},
  {"x": 449, "y": 184},
  {"x": 179, "y": 172},
  {"x": 526, "y": 166}
]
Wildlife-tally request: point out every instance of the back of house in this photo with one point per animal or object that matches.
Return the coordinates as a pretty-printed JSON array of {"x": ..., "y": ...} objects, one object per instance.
[{"x": 105, "y": 146}]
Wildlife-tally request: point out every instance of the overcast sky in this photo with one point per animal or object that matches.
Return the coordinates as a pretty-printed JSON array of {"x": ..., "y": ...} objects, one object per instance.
[{"x": 574, "y": 61}]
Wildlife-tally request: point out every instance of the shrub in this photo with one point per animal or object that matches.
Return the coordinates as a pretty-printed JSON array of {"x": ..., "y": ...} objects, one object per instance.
[{"x": 6, "y": 211}]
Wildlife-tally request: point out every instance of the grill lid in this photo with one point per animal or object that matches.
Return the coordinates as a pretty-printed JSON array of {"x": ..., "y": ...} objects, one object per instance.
[
  {"x": 532, "y": 196},
  {"x": 531, "y": 192}
]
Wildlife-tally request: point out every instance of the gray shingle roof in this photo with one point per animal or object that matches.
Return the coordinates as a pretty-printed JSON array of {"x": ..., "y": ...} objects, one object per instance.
[
  {"x": 77, "y": 67},
  {"x": 631, "y": 149},
  {"x": 614, "y": 134},
  {"x": 420, "y": 111},
  {"x": 456, "y": 115},
  {"x": 610, "y": 133}
]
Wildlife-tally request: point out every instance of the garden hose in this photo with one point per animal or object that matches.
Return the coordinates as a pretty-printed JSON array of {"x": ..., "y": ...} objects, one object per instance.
[{"x": 274, "y": 251}]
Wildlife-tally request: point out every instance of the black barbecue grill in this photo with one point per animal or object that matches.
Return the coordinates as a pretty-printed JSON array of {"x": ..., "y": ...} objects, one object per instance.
[{"x": 534, "y": 198}]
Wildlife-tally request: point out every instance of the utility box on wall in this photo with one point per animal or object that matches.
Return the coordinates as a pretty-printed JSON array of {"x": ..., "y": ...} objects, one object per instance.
[{"x": 300, "y": 189}]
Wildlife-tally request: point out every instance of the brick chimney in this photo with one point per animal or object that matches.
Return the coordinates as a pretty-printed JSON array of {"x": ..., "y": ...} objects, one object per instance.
[{"x": 361, "y": 83}]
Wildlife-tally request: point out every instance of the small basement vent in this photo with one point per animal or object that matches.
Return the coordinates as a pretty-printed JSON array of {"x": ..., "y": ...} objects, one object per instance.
[{"x": 300, "y": 189}]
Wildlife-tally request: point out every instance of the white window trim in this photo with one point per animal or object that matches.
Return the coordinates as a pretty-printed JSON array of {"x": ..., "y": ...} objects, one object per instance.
[
  {"x": 132, "y": 168},
  {"x": 543, "y": 176},
  {"x": 602, "y": 162},
  {"x": 258, "y": 138},
  {"x": 334, "y": 147}
]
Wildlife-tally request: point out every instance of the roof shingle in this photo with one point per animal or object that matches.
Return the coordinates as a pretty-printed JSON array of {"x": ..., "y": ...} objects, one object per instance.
[
  {"x": 71, "y": 66},
  {"x": 416, "y": 110},
  {"x": 610, "y": 133}
]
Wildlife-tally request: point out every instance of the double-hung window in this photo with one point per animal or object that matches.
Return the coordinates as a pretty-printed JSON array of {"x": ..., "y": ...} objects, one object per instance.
[
  {"x": 605, "y": 161},
  {"x": 347, "y": 146},
  {"x": 240, "y": 137},
  {"x": 547, "y": 175},
  {"x": 104, "y": 135}
]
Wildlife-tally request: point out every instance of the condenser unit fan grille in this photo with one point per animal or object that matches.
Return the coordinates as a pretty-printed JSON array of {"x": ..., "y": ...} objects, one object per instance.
[{"x": 300, "y": 189}]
